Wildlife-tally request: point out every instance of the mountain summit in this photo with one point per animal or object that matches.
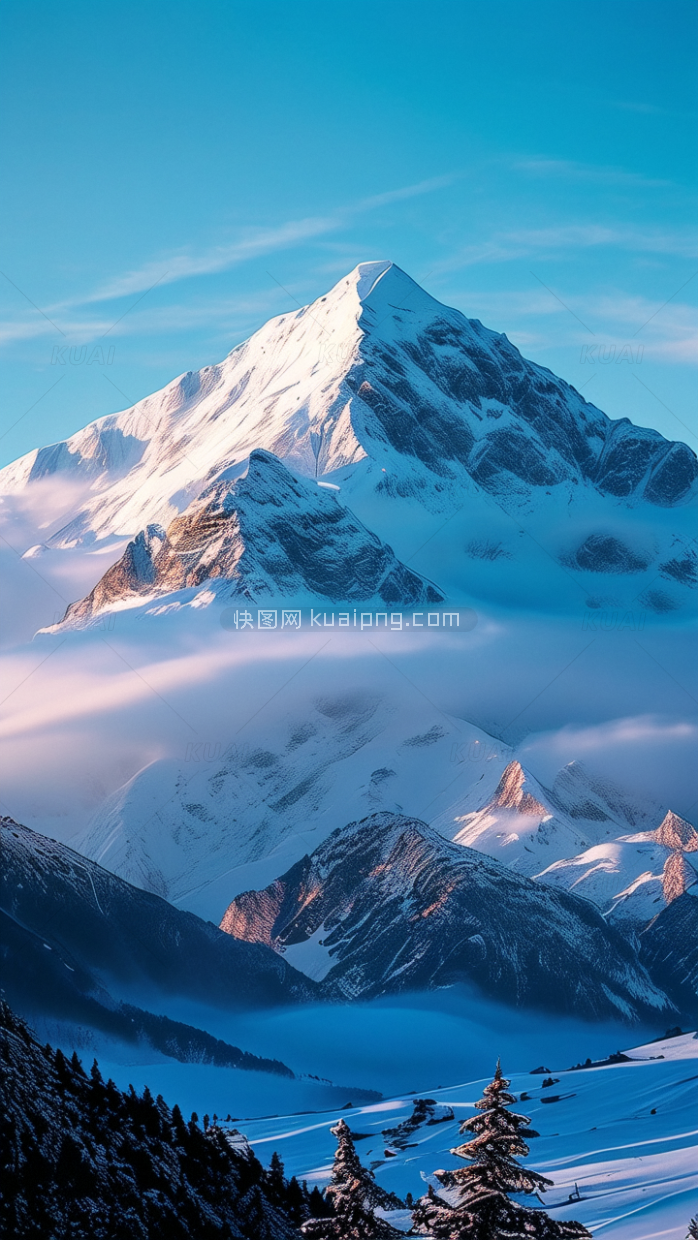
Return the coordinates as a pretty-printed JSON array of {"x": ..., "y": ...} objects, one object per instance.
[{"x": 410, "y": 409}]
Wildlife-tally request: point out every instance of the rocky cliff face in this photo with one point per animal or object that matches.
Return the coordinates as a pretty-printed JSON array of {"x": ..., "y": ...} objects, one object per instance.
[
  {"x": 675, "y": 832},
  {"x": 387, "y": 904},
  {"x": 375, "y": 370},
  {"x": 257, "y": 536}
]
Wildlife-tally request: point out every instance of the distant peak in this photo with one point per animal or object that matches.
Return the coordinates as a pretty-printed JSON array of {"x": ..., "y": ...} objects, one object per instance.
[
  {"x": 675, "y": 832},
  {"x": 510, "y": 792}
]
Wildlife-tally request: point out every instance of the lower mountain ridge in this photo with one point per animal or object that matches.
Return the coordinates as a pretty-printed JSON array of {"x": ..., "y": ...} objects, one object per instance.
[
  {"x": 253, "y": 536},
  {"x": 669, "y": 949},
  {"x": 387, "y": 904},
  {"x": 79, "y": 945}
]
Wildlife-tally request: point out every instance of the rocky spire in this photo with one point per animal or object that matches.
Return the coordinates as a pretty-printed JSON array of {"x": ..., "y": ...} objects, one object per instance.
[{"x": 675, "y": 832}]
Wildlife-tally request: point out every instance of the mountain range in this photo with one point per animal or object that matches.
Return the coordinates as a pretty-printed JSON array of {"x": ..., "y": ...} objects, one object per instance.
[
  {"x": 575, "y": 836},
  {"x": 382, "y": 905},
  {"x": 374, "y": 447}
]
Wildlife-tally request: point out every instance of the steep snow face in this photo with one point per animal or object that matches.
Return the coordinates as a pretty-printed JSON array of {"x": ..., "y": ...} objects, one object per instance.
[
  {"x": 518, "y": 825},
  {"x": 199, "y": 832},
  {"x": 264, "y": 534},
  {"x": 401, "y": 908},
  {"x": 376, "y": 369},
  {"x": 282, "y": 390},
  {"x": 586, "y": 797}
]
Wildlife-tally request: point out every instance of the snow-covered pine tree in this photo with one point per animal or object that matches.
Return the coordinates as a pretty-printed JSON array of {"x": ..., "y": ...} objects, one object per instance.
[
  {"x": 353, "y": 1195},
  {"x": 480, "y": 1207}
]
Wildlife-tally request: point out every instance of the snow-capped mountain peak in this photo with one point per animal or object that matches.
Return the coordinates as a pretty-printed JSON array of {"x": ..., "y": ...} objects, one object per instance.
[
  {"x": 374, "y": 371},
  {"x": 386, "y": 904}
]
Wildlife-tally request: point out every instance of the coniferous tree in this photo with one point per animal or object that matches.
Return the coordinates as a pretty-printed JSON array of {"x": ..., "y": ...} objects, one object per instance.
[
  {"x": 83, "y": 1160},
  {"x": 296, "y": 1204},
  {"x": 692, "y": 1233},
  {"x": 317, "y": 1206},
  {"x": 353, "y": 1196},
  {"x": 483, "y": 1209},
  {"x": 276, "y": 1180}
]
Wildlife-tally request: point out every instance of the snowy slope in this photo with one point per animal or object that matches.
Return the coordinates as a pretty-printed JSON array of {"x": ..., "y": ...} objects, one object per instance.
[
  {"x": 521, "y": 824},
  {"x": 572, "y": 837},
  {"x": 199, "y": 832},
  {"x": 624, "y": 1133},
  {"x": 632, "y": 878},
  {"x": 376, "y": 367},
  {"x": 81, "y": 1159},
  {"x": 515, "y": 818},
  {"x": 387, "y": 905}
]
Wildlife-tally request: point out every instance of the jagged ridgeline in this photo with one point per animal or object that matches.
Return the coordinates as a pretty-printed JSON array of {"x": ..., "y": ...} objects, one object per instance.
[{"x": 319, "y": 457}]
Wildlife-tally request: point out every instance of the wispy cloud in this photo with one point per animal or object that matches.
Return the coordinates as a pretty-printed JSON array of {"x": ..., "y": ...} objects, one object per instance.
[
  {"x": 408, "y": 191},
  {"x": 253, "y": 244},
  {"x": 185, "y": 264},
  {"x": 599, "y": 174},
  {"x": 222, "y": 313},
  {"x": 665, "y": 331},
  {"x": 648, "y": 109},
  {"x": 182, "y": 266},
  {"x": 527, "y": 242}
]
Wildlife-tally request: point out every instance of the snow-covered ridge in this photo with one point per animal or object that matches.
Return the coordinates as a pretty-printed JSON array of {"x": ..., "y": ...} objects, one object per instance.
[
  {"x": 411, "y": 410},
  {"x": 400, "y": 908},
  {"x": 575, "y": 836},
  {"x": 376, "y": 368}
]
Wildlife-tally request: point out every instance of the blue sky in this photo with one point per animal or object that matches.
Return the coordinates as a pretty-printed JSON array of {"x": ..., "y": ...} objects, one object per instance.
[{"x": 179, "y": 172}]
